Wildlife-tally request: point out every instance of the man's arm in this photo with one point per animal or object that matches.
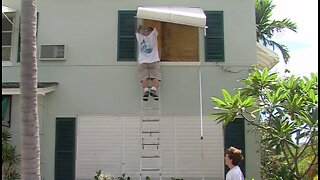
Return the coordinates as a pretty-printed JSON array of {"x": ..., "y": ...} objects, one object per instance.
[{"x": 138, "y": 30}]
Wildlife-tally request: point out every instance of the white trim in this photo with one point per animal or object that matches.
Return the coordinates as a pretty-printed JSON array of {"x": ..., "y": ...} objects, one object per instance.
[
  {"x": 6, "y": 63},
  {"x": 6, "y": 9},
  {"x": 16, "y": 91}
]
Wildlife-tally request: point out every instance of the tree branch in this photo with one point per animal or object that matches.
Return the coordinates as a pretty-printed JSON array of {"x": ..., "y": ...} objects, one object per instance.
[{"x": 287, "y": 159}]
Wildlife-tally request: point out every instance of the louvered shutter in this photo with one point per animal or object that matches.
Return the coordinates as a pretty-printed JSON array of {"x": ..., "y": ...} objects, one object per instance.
[
  {"x": 65, "y": 149},
  {"x": 214, "y": 41},
  {"x": 6, "y": 110},
  {"x": 234, "y": 136},
  {"x": 126, "y": 36}
]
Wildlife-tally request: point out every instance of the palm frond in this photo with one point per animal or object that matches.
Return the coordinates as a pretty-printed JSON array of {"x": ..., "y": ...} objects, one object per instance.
[{"x": 267, "y": 28}]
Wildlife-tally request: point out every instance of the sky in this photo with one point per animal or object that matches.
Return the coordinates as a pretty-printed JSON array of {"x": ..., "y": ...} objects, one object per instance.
[{"x": 303, "y": 45}]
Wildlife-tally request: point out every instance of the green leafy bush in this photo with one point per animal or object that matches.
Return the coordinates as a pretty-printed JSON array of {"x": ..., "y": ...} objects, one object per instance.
[
  {"x": 10, "y": 159},
  {"x": 102, "y": 176}
]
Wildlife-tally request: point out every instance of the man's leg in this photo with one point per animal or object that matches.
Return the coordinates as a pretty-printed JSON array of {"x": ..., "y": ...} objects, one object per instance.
[
  {"x": 143, "y": 76},
  {"x": 153, "y": 92},
  {"x": 145, "y": 87},
  {"x": 144, "y": 83},
  {"x": 156, "y": 77},
  {"x": 155, "y": 82}
]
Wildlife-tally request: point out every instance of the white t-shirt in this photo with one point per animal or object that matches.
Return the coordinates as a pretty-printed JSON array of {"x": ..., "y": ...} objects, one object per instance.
[
  {"x": 235, "y": 174},
  {"x": 148, "y": 47}
]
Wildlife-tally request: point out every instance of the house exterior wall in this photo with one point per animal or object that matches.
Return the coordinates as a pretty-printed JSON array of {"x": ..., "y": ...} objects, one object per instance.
[{"x": 92, "y": 81}]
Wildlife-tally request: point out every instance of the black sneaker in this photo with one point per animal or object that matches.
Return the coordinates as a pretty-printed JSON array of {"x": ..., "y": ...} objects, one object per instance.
[
  {"x": 153, "y": 93},
  {"x": 145, "y": 96}
]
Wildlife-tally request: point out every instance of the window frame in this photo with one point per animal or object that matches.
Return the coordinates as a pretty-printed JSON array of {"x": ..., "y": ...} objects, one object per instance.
[{"x": 10, "y": 15}]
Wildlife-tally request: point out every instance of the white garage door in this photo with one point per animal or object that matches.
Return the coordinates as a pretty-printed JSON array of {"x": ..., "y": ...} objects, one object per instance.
[{"x": 112, "y": 144}]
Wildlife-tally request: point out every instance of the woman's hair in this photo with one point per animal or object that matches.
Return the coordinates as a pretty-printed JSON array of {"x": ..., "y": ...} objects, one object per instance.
[{"x": 235, "y": 155}]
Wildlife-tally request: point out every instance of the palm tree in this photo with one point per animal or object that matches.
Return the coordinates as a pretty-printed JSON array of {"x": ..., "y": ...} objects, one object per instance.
[
  {"x": 30, "y": 148},
  {"x": 266, "y": 28}
]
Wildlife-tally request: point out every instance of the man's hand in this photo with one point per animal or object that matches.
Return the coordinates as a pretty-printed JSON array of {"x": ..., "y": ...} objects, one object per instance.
[{"x": 139, "y": 29}]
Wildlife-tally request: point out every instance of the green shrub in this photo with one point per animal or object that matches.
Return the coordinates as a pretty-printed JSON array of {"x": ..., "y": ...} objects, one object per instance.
[{"x": 10, "y": 159}]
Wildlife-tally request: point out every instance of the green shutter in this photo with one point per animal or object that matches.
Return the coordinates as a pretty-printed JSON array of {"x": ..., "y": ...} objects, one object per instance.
[
  {"x": 214, "y": 40},
  {"x": 5, "y": 104},
  {"x": 126, "y": 36},
  {"x": 37, "y": 24},
  {"x": 19, "y": 39},
  {"x": 19, "y": 43},
  {"x": 234, "y": 136},
  {"x": 65, "y": 149}
]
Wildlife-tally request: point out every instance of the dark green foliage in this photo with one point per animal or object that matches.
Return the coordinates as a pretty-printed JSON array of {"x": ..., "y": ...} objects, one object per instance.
[
  {"x": 98, "y": 173},
  {"x": 10, "y": 159},
  {"x": 123, "y": 177}
]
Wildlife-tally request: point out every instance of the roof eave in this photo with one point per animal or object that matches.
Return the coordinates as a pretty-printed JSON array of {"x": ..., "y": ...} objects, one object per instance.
[{"x": 266, "y": 57}]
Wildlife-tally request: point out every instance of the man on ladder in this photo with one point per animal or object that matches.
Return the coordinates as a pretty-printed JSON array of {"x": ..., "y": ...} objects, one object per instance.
[{"x": 149, "y": 61}]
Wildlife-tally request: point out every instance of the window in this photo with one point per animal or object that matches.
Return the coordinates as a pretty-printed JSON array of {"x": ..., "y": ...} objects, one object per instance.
[
  {"x": 7, "y": 34},
  {"x": 176, "y": 43}
]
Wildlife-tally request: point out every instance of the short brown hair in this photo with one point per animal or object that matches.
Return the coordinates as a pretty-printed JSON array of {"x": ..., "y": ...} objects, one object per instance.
[
  {"x": 150, "y": 29},
  {"x": 235, "y": 155}
]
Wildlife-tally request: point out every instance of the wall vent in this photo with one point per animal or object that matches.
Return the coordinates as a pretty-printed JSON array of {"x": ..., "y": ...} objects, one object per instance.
[{"x": 53, "y": 52}]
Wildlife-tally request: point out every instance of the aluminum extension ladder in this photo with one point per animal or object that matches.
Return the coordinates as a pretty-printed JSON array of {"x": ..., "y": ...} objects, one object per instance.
[{"x": 150, "y": 156}]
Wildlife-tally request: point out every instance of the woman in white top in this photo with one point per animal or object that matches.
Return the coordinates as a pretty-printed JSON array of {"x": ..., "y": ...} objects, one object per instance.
[{"x": 232, "y": 159}]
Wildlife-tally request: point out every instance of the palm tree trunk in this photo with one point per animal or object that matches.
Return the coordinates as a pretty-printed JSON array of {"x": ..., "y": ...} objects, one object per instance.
[{"x": 30, "y": 151}]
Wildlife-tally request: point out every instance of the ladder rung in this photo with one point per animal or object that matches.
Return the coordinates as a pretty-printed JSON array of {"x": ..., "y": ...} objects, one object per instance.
[
  {"x": 155, "y": 156},
  {"x": 150, "y": 132},
  {"x": 150, "y": 169},
  {"x": 150, "y": 108},
  {"x": 150, "y": 144},
  {"x": 150, "y": 120}
]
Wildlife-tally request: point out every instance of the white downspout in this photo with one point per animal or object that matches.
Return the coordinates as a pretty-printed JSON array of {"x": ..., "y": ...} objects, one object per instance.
[
  {"x": 201, "y": 122},
  {"x": 201, "y": 126}
]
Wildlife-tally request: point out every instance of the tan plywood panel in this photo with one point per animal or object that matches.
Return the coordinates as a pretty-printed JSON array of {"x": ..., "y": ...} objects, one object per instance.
[
  {"x": 180, "y": 42},
  {"x": 176, "y": 42}
]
